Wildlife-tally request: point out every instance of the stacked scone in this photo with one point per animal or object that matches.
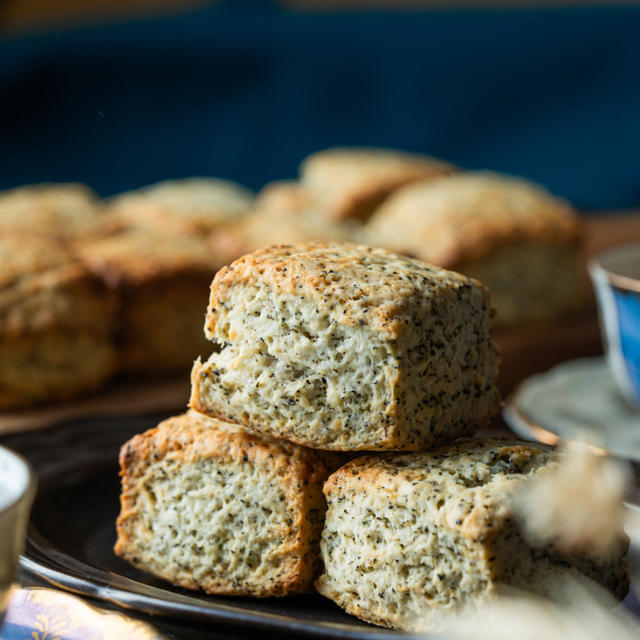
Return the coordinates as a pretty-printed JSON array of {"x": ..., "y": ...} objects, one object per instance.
[
  {"x": 209, "y": 505},
  {"x": 324, "y": 350},
  {"x": 343, "y": 347},
  {"x": 411, "y": 539}
]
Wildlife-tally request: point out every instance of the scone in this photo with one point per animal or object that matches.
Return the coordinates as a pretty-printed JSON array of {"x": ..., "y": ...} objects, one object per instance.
[
  {"x": 281, "y": 218},
  {"x": 351, "y": 182},
  {"x": 188, "y": 206},
  {"x": 56, "y": 323},
  {"x": 282, "y": 196},
  {"x": 161, "y": 283},
  {"x": 410, "y": 538},
  {"x": 516, "y": 238},
  {"x": 207, "y": 505},
  {"x": 53, "y": 210},
  {"x": 339, "y": 346}
]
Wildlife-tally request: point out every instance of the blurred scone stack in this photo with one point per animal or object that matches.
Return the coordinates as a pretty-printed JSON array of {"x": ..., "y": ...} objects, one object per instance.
[
  {"x": 322, "y": 351},
  {"x": 149, "y": 262},
  {"x": 155, "y": 248},
  {"x": 336, "y": 192},
  {"x": 56, "y": 322}
]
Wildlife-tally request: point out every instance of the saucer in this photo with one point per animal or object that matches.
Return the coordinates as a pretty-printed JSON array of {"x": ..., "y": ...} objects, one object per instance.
[{"x": 577, "y": 400}]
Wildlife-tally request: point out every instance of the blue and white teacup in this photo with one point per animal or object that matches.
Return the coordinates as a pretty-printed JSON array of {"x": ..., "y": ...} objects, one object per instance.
[
  {"x": 616, "y": 277},
  {"x": 17, "y": 490}
]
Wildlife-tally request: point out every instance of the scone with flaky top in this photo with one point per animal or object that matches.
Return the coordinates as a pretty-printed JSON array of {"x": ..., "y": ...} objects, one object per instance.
[
  {"x": 411, "y": 538},
  {"x": 51, "y": 210},
  {"x": 56, "y": 323},
  {"x": 160, "y": 282},
  {"x": 511, "y": 234},
  {"x": 339, "y": 346},
  {"x": 208, "y": 505},
  {"x": 187, "y": 206},
  {"x": 351, "y": 182}
]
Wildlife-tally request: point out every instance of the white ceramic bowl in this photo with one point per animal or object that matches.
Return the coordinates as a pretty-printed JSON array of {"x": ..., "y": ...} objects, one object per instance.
[{"x": 17, "y": 490}]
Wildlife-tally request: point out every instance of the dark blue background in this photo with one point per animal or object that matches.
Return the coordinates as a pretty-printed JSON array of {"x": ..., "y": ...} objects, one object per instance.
[{"x": 244, "y": 90}]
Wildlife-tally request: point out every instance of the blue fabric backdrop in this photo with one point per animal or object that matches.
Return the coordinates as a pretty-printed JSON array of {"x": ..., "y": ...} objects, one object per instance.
[{"x": 246, "y": 89}]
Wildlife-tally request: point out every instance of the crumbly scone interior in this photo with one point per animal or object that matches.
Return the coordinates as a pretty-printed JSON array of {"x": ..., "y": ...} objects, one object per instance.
[
  {"x": 391, "y": 563},
  {"x": 408, "y": 547},
  {"x": 284, "y": 364},
  {"x": 184, "y": 510},
  {"x": 485, "y": 489},
  {"x": 545, "y": 569},
  {"x": 449, "y": 367},
  {"x": 411, "y": 539},
  {"x": 353, "y": 369}
]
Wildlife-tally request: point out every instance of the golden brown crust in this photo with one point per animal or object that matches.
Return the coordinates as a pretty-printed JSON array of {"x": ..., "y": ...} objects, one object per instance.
[
  {"x": 352, "y": 182},
  {"x": 202, "y": 437},
  {"x": 350, "y": 348},
  {"x": 191, "y": 438},
  {"x": 472, "y": 511},
  {"x": 333, "y": 275}
]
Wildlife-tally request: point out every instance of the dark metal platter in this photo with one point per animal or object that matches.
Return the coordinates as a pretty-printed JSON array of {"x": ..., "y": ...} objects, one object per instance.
[{"x": 72, "y": 533}]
